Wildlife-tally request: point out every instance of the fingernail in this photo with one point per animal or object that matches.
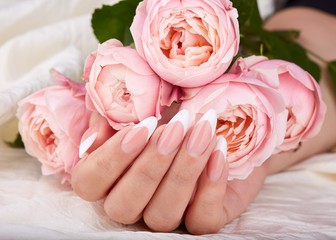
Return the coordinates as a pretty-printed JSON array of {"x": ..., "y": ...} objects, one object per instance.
[
  {"x": 217, "y": 160},
  {"x": 174, "y": 132},
  {"x": 137, "y": 138},
  {"x": 202, "y": 134},
  {"x": 86, "y": 144}
]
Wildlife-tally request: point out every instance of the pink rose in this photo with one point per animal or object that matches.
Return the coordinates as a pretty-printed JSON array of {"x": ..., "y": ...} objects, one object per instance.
[
  {"x": 188, "y": 43},
  {"x": 122, "y": 87},
  {"x": 52, "y": 122},
  {"x": 251, "y": 116},
  {"x": 302, "y": 94}
]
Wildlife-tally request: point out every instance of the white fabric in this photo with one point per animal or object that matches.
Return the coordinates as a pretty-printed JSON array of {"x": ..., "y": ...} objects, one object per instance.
[
  {"x": 266, "y": 7},
  {"x": 36, "y": 35},
  {"x": 297, "y": 204}
]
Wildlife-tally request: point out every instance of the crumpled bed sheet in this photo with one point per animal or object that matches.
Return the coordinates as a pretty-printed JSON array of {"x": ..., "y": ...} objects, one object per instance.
[{"x": 36, "y": 35}]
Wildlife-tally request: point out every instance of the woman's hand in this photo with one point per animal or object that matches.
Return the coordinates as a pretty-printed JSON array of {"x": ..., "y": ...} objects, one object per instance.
[{"x": 177, "y": 175}]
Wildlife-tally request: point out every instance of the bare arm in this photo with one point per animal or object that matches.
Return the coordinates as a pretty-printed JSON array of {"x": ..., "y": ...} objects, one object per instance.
[{"x": 317, "y": 34}]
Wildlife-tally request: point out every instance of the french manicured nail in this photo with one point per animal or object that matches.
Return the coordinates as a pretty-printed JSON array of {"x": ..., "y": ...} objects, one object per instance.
[
  {"x": 174, "y": 132},
  {"x": 217, "y": 160},
  {"x": 86, "y": 144},
  {"x": 137, "y": 138},
  {"x": 202, "y": 134}
]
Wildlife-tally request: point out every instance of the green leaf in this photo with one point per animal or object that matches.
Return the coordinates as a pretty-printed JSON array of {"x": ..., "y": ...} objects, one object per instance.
[
  {"x": 275, "y": 44},
  {"x": 279, "y": 48},
  {"x": 289, "y": 35},
  {"x": 332, "y": 70},
  {"x": 248, "y": 12},
  {"x": 17, "y": 143},
  {"x": 114, "y": 21},
  {"x": 296, "y": 149}
]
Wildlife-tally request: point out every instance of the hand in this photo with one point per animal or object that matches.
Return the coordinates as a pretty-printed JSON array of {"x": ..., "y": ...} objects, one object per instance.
[{"x": 158, "y": 185}]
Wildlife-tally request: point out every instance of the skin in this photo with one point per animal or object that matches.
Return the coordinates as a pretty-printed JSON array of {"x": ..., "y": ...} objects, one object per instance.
[
  {"x": 318, "y": 34},
  {"x": 162, "y": 190}
]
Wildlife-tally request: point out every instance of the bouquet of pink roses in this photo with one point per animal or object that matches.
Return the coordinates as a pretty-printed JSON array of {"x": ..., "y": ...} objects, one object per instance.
[{"x": 184, "y": 53}]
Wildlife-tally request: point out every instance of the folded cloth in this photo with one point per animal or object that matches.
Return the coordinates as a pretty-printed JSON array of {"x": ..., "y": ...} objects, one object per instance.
[
  {"x": 36, "y": 35},
  {"x": 299, "y": 203}
]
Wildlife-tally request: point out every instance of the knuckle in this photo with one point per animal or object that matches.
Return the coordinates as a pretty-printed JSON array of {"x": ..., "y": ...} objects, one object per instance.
[
  {"x": 82, "y": 190},
  {"x": 210, "y": 206},
  {"x": 79, "y": 186},
  {"x": 148, "y": 174},
  {"x": 196, "y": 224},
  {"x": 183, "y": 176},
  {"x": 121, "y": 214},
  {"x": 158, "y": 222},
  {"x": 103, "y": 166},
  {"x": 82, "y": 185},
  {"x": 201, "y": 229}
]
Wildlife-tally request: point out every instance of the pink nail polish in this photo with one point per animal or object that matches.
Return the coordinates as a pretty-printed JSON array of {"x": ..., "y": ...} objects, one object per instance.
[
  {"x": 217, "y": 160},
  {"x": 137, "y": 138},
  {"x": 174, "y": 132},
  {"x": 202, "y": 134}
]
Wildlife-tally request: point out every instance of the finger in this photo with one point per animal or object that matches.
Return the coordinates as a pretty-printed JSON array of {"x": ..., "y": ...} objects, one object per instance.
[
  {"x": 240, "y": 193},
  {"x": 165, "y": 210},
  {"x": 238, "y": 196},
  {"x": 94, "y": 175},
  {"x": 205, "y": 214},
  {"x": 128, "y": 198},
  {"x": 97, "y": 134}
]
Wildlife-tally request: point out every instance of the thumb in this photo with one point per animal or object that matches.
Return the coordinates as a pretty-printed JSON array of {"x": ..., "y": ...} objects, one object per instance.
[{"x": 96, "y": 135}]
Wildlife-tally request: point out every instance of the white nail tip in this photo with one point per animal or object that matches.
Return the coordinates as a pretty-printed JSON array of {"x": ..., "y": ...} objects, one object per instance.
[
  {"x": 183, "y": 117},
  {"x": 211, "y": 117},
  {"x": 150, "y": 123},
  {"x": 221, "y": 146},
  {"x": 84, "y": 146}
]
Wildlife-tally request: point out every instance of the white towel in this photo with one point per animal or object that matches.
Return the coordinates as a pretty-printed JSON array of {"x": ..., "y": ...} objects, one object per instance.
[{"x": 37, "y": 35}]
